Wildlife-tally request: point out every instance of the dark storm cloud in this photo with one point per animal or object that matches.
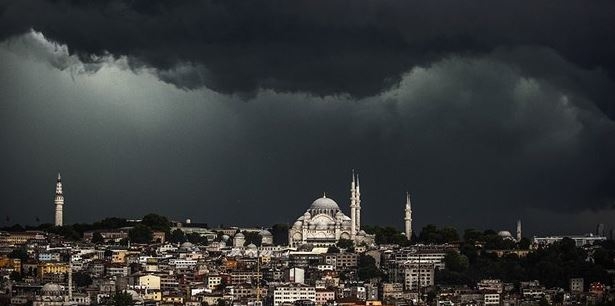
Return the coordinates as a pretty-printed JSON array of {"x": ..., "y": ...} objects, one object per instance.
[
  {"x": 485, "y": 111},
  {"x": 358, "y": 47}
]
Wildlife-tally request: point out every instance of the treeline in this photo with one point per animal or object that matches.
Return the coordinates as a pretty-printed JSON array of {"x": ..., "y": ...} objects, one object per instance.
[
  {"x": 142, "y": 232},
  {"x": 431, "y": 234},
  {"x": 552, "y": 265}
]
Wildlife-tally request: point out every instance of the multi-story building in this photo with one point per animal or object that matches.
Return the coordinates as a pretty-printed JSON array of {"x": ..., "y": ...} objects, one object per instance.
[
  {"x": 490, "y": 285},
  {"x": 416, "y": 276},
  {"x": 324, "y": 296},
  {"x": 392, "y": 291},
  {"x": 491, "y": 299},
  {"x": 579, "y": 240},
  {"x": 290, "y": 293}
]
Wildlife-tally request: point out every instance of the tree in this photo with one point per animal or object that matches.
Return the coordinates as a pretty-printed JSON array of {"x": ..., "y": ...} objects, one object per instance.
[
  {"x": 140, "y": 234},
  {"x": 333, "y": 249},
  {"x": 156, "y": 222},
  {"x": 280, "y": 234},
  {"x": 177, "y": 236},
  {"x": 472, "y": 235},
  {"x": 387, "y": 235},
  {"x": 97, "y": 238},
  {"x": 345, "y": 243},
  {"x": 19, "y": 253},
  {"x": 367, "y": 268},
  {"x": 122, "y": 299},
  {"x": 456, "y": 262},
  {"x": 252, "y": 237},
  {"x": 82, "y": 279},
  {"x": 449, "y": 234},
  {"x": 524, "y": 244}
]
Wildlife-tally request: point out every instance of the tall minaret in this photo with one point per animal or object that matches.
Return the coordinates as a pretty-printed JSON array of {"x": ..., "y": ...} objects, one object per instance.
[
  {"x": 59, "y": 201},
  {"x": 518, "y": 230},
  {"x": 353, "y": 208},
  {"x": 358, "y": 197},
  {"x": 408, "y": 217}
]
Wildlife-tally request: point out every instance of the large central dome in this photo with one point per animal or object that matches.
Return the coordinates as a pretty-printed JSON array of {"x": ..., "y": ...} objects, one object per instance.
[{"x": 324, "y": 203}]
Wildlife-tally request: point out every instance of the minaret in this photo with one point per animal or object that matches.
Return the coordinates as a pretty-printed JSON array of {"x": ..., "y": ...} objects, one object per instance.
[
  {"x": 353, "y": 208},
  {"x": 358, "y": 197},
  {"x": 408, "y": 217},
  {"x": 59, "y": 201},
  {"x": 518, "y": 230}
]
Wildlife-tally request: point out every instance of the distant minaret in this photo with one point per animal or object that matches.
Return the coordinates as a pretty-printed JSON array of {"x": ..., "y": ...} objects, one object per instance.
[
  {"x": 408, "y": 217},
  {"x": 353, "y": 208},
  {"x": 59, "y": 201},
  {"x": 519, "y": 230},
  {"x": 358, "y": 197}
]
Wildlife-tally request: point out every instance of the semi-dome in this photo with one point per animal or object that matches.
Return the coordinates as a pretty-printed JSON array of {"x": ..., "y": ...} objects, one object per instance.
[
  {"x": 324, "y": 203},
  {"x": 265, "y": 233}
]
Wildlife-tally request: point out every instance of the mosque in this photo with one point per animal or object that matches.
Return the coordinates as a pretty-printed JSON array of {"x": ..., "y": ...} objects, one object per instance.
[{"x": 324, "y": 223}]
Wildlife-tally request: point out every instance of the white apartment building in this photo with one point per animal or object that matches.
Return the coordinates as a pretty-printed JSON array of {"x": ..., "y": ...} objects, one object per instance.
[
  {"x": 290, "y": 293},
  {"x": 492, "y": 299}
]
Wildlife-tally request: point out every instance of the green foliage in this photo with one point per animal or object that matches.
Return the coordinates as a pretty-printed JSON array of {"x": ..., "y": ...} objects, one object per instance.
[
  {"x": 333, "y": 249},
  {"x": 553, "y": 266},
  {"x": 82, "y": 279},
  {"x": 110, "y": 223},
  {"x": 177, "y": 236},
  {"x": 472, "y": 235},
  {"x": 456, "y": 262},
  {"x": 156, "y": 222},
  {"x": 122, "y": 299},
  {"x": 495, "y": 242},
  {"x": 196, "y": 238},
  {"x": 252, "y": 237},
  {"x": 431, "y": 234},
  {"x": 387, "y": 235},
  {"x": 97, "y": 238},
  {"x": 140, "y": 234},
  {"x": 367, "y": 268},
  {"x": 66, "y": 231},
  {"x": 470, "y": 251},
  {"x": 19, "y": 253},
  {"x": 345, "y": 243},
  {"x": 524, "y": 244},
  {"x": 280, "y": 234}
]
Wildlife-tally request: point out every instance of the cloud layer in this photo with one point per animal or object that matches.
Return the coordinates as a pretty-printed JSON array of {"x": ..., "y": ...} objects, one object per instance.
[
  {"x": 483, "y": 110},
  {"x": 479, "y": 137}
]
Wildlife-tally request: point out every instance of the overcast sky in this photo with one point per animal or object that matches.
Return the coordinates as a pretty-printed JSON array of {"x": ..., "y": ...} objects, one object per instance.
[{"x": 243, "y": 112}]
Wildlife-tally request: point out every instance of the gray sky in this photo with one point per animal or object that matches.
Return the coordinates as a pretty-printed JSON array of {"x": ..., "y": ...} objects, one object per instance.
[{"x": 239, "y": 127}]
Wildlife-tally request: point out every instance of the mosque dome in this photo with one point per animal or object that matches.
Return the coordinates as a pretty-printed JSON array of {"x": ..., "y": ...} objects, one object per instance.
[
  {"x": 324, "y": 203},
  {"x": 265, "y": 233},
  {"x": 51, "y": 289},
  {"x": 239, "y": 235},
  {"x": 505, "y": 234},
  {"x": 251, "y": 246},
  {"x": 225, "y": 237},
  {"x": 186, "y": 245}
]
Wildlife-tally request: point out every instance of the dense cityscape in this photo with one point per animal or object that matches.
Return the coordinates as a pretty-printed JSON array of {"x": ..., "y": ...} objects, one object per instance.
[{"x": 324, "y": 258}]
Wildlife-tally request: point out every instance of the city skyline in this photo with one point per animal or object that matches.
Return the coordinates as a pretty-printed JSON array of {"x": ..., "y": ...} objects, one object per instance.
[{"x": 245, "y": 112}]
